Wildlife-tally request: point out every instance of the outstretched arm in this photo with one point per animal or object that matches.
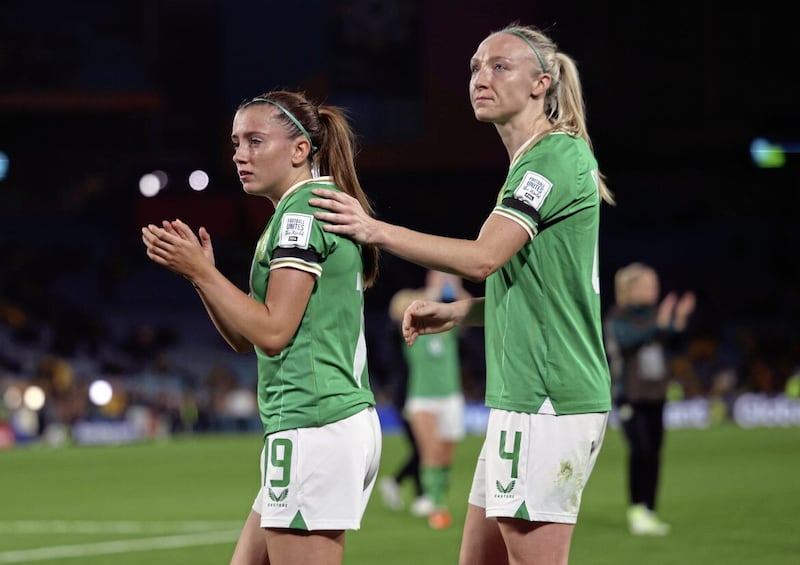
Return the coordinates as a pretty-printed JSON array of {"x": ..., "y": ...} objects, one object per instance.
[{"x": 474, "y": 260}]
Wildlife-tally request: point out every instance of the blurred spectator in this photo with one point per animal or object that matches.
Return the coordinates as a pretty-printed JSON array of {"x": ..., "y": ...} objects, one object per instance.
[{"x": 641, "y": 334}]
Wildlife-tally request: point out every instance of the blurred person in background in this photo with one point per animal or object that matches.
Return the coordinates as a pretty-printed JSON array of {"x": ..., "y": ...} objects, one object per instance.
[
  {"x": 409, "y": 470},
  {"x": 641, "y": 335},
  {"x": 304, "y": 318},
  {"x": 547, "y": 377},
  {"x": 434, "y": 402}
]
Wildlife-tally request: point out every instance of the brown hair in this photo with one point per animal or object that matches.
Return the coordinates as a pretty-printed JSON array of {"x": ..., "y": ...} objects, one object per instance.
[{"x": 331, "y": 135}]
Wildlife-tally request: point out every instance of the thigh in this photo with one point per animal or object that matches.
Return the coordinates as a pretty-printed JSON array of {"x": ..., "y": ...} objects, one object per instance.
[
  {"x": 656, "y": 426},
  {"x": 537, "y": 465},
  {"x": 644, "y": 429},
  {"x": 424, "y": 427},
  {"x": 451, "y": 419},
  {"x": 437, "y": 418},
  {"x": 320, "y": 478},
  {"x": 481, "y": 542},
  {"x": 634, "y": 427},
  {"x": 251, "y": 547},
  {"x": 289, "y": 547},
  {"x": 548, "y": 541}
]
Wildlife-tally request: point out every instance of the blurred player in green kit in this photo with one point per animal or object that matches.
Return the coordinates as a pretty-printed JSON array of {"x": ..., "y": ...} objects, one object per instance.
[{"x": 434, "y": 403}]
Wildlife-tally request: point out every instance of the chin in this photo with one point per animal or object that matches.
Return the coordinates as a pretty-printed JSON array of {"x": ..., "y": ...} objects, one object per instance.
[
  {"x": 249, "y": 188},
  {"x": 480, "y": 115}
]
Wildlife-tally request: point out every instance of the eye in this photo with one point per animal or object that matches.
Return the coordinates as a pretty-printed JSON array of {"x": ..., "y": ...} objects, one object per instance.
[
  {"x": 473, "y": 69},
  {"x": 255, "y": 141},
  {"x": 499, "y": 67}
]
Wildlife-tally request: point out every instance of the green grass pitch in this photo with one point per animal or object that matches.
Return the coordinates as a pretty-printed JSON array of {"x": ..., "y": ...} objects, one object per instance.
[{"x": 732, "y": 496}]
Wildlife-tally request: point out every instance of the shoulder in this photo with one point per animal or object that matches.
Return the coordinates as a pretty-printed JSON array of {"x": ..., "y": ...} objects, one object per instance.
[
  {"x": 560, "y": 148},
  {"x": 558, "y": 160},
  {"x": 297, "y": 200}
]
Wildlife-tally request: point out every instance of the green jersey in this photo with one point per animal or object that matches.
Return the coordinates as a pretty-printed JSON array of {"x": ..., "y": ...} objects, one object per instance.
[
  {"x": 321, "y": 376},
  {"x": 433, "y": 365},
  {"x": 543, "y": 321}
]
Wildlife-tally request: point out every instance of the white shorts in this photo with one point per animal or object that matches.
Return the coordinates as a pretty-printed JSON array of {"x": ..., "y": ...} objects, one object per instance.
[
  {"x": 535, "y": 466},
  {"x": 449, "y": 412},
  {"x": 320, "y": 478}
]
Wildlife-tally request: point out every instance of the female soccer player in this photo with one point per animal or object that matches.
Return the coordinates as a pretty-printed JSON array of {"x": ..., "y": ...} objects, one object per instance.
[
  {"x": 304, "y": 318},
  {"x": 547, "y": 378}
]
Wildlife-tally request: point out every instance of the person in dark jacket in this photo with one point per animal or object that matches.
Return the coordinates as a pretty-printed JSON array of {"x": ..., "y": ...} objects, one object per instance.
[{"x": 640, "y": 335}]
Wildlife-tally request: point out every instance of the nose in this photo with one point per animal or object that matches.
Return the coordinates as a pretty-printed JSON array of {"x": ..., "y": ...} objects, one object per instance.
[
  {"x": 237, "y": 157},
  {"x": 480, "y": 78}
]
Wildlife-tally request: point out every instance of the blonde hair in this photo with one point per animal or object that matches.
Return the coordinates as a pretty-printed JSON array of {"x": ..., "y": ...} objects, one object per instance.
[
  {"x": 564, "y": 104},
  {"x": 329, "y": 132},
  {"x": 623, "y": 279}
]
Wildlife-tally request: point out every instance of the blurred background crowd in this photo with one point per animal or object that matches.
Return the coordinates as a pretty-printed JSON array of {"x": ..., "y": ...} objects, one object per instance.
[{"x": 94, "y": 96}]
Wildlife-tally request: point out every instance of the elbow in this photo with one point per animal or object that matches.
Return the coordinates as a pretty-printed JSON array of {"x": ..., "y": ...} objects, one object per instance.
[
  {"x": 480, "y": 271},
  {"x": 272, "y": 351},
  {"x": 475, "y": 278},
  {"x": 274, "y": 344},
  {"x": 480, "y": 276}
]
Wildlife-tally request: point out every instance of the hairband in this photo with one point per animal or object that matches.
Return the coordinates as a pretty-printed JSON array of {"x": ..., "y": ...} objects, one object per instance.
[
  {"x": 289, "y": 115},
  {"x": 530, "y": 44}
]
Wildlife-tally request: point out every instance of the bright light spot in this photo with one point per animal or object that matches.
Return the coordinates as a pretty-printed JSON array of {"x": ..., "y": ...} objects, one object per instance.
[
  {"x": 26, "y": 421},
  {"x": 33, "y": 398},
  {"x": 149, "y": 185},
  {"x": 12, "y": 398},
  {"x": 163, "y": 179},
  {"x": 198, "y": 180},
  {"x": 767, "y": 155},
  {"x": 3, "y": 165},
  {"x": 100, "y": 393}
]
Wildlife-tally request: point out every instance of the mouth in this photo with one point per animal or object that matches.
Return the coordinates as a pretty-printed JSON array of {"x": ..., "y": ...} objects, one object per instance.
[{"x": 245, "y": 176}]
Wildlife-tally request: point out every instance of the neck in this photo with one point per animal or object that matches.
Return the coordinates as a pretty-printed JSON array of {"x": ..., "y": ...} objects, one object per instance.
[
  {"x": 299, "y": 176},
  {"x": 517, "y": 132}
]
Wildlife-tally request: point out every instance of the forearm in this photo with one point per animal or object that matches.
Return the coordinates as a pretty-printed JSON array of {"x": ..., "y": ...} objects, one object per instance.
[
  {"x": 458, "y": 256},
  {"x": 467, "y": 312},
  {"x": 230, "y": 309},
  {"x": 237, "y": 341}
]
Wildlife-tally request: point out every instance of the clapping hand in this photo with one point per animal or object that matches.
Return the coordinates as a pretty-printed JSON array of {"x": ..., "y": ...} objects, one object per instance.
[{"x": 175, "y": 246}]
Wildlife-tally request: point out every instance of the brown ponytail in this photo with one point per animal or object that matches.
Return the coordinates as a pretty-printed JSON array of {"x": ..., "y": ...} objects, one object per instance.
[{"x": 330, "y": 134}]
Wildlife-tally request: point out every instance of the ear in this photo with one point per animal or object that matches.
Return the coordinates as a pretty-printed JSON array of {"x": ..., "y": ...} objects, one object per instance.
[
  {"x": 541, "y": 85},
  {"x": 301, "y": 152}
]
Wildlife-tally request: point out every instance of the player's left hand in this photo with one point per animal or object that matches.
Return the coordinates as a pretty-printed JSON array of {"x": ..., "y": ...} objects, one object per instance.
[{"x": 345, "y": 215}]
